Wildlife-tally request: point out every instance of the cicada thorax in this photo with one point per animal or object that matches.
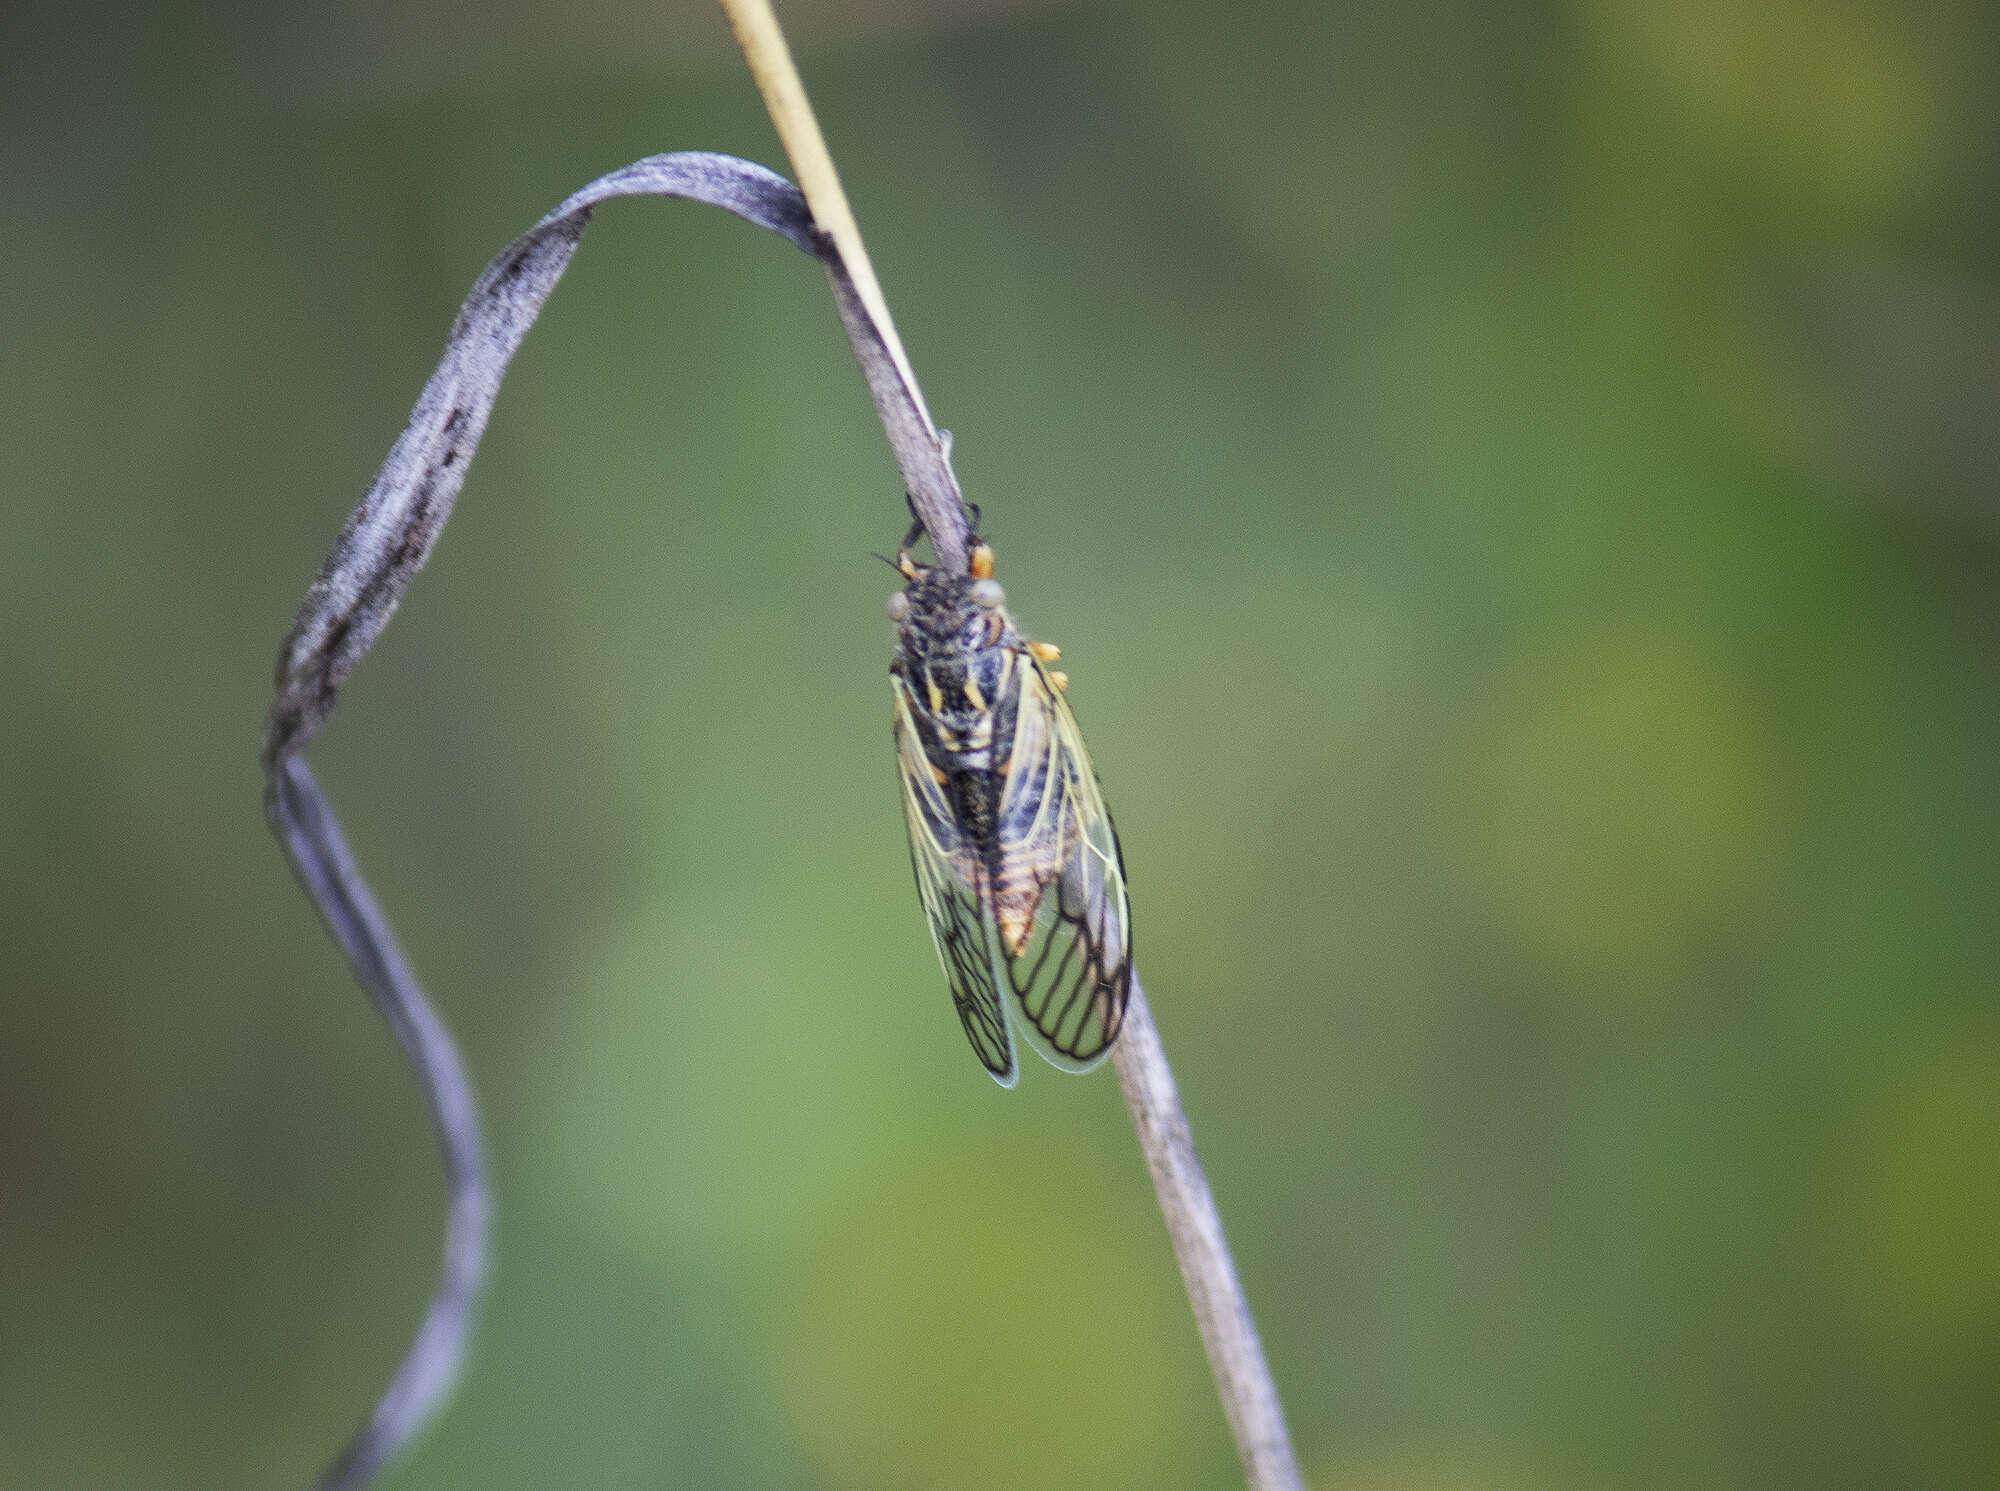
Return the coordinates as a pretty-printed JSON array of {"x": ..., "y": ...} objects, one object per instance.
[{"x": 961, "y": 691}]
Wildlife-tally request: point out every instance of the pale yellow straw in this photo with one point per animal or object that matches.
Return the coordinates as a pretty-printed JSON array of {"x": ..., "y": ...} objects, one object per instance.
[{"x": 763, "y": 44}]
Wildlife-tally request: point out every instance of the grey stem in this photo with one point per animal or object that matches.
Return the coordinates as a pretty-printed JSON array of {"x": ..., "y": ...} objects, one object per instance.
[
  {"x": 923, "y": 453},
  {"x": 1235, "y": 1355},
  {"x": 305, "y": 825},
  {"x": 384, "y": 543}
]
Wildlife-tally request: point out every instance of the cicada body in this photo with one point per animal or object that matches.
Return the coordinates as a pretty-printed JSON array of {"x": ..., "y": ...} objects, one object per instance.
[{"x": 1016, "y": 858}]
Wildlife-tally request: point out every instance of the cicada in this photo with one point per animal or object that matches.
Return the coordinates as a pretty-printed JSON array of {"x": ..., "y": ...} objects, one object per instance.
[{"x": 1016, "y": 858}]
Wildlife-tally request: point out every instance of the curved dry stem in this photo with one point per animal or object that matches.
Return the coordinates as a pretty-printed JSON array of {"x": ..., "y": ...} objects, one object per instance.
[{"x": 380, "y": 549}]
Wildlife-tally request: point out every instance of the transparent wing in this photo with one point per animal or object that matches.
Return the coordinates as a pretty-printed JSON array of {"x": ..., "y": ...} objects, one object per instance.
[
  {"x": 1059, "y": 887},
  {"x": 952, "y": 882}
]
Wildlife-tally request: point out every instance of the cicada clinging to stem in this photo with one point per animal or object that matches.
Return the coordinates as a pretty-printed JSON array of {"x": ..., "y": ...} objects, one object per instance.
[{"x": 1015, "y": 854}]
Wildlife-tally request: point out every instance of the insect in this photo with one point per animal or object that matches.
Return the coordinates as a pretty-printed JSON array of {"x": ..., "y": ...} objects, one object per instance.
[{"x": 1016, "y": 858}]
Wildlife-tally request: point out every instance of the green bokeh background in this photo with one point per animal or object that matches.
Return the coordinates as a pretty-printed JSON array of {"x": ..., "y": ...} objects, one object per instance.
[{"x": 1518, "y": 486}]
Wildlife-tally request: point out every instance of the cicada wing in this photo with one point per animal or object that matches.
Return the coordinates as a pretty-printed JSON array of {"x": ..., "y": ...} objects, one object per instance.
[
  {"x": 952, "y": 882},
  {"x": 1064, "y": 919}
]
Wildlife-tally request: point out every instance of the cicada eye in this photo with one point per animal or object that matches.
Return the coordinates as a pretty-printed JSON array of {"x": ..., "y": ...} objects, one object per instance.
[
  {"x": 988, "y": 593},
  {"x": 899, "y": 606}
]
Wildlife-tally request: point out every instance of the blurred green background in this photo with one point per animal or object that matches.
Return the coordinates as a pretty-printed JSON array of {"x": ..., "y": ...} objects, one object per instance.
[{"x": 1518, "y": 487}]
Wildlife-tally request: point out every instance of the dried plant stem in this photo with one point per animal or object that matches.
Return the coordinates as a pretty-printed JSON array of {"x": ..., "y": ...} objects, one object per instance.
[
  {"x": 384, "y": 543},
  {"x": 1235, "y": 1355}
]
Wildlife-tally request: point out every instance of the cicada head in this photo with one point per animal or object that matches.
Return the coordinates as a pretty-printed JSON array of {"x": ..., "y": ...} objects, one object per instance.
[{"x": 947, "y": 618}]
